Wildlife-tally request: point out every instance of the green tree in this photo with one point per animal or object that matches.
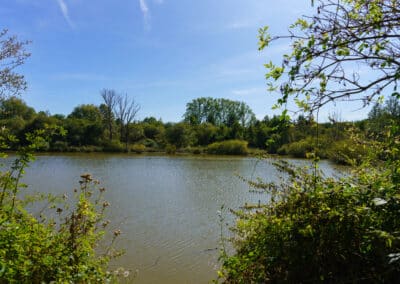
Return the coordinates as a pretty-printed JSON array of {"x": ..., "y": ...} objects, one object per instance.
[
  {"x": 218, "y": 112},
  {"x": 332, "y": 230},
  {"x": 179, "y": 134},
  {"x": 84, "y": 126},
  {"x": 327, "y": 45},
  {"x": 206, "y": 133},
  {"x": 15, "y": 114}
]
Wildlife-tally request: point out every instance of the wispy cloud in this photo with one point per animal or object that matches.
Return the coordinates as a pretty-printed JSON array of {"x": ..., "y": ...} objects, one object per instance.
[
  {"x": 146, "y": 13},
  {"x": 64, "y": 10}
]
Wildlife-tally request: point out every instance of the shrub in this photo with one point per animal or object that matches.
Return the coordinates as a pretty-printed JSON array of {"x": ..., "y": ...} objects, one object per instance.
[
  {"x": 60, "y": 146},
  {"x": 90, "y": 149},
  {"x": 113, "y": 146},
  {"x": 347, "y": 152},
  {"x": 196, "y": 150},
  {"x": 170, "y": 149},
  {"x": 318, "y": 229},
  {"x": 61, "y": 249},
  {"x": 62, "y": 244},
  {"x": 304, "y": 147},
  {"x": 229, "y": 147},
  {"x": 150, "y": 143},
  {"x": 138, "y": 148}
]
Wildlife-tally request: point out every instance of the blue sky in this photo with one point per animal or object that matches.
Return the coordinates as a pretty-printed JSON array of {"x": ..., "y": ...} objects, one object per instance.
[{"x": 164, "y": 53}]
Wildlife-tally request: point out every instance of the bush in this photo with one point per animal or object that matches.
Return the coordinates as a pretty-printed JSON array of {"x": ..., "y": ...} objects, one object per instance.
[
  {"x": 196, "y": 150},
  {"x": 113, "y": 146},
  {"x": 60, "y": 146},
  {"x": 229, "y": 147},
  {"x": 304, "y": 147},
  {"x": 170, "y": 149},
  {"x": 138, "y": 148},
  {"x": 91, "y": 149},
  {"x": 318, "y": 229},
  {"x": 61, "y": 249},
  {"x": 346, "y": 152},
  {"x": 61, "y": 245},
  {"x": 150, "y": 143}
]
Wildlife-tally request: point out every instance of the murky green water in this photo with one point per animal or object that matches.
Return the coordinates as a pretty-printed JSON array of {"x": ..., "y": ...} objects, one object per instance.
[{"x": 165, "y": 206}]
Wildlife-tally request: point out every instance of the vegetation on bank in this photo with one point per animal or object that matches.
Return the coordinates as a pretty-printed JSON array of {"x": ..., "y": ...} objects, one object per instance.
[
  {"x": 60, "y": 239},
  {"x": 318, "y": 229},
  {"x": 88, "y": 130}
]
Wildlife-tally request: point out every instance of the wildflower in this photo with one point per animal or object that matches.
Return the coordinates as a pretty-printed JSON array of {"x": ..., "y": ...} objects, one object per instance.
[{"x": 86, "y": 177}]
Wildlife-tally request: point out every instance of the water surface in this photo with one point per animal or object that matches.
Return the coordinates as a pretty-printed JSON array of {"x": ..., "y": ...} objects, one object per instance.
[{"x": 165, "y": 206}]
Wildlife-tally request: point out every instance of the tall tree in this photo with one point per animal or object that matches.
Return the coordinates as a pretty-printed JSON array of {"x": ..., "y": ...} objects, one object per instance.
[
  {"x": 126, "y": 110},
  {"x": 341, "y": 36},
  {"x": 110, "y": 99},
  {"x": 218, "y": 112}
]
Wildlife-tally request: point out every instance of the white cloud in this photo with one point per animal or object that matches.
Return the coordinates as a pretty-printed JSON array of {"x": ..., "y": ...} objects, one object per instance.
[
  {"x": 146, "y": 13},
  {"x": 64, "y": 10}
]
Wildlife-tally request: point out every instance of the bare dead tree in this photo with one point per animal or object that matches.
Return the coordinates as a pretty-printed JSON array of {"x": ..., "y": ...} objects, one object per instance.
[
  {"x": 12, "y": 55},
  {"x": 110, "y": 100},
  {"x": 126, "y": 111}
]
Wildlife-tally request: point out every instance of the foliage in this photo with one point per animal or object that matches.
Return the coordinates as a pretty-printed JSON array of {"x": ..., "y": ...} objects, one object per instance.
[
  {"x": 170, "y": 149},
  {"x": 317, "y": 229},
  {"x": 340, "y": 35},
  {"x": 61, "y": 245},
  {"x": 113, "y": 146},
  {"x": 218, "y": 112},
  {"x": 138, "y": 148},
  {"x": 87, "y": 131},
  {"x": 229, "y": 147},
  {"x": 348, "y": 152},
  {"x": 179, "y": 134},
  {"x": 299, "y": 149}
]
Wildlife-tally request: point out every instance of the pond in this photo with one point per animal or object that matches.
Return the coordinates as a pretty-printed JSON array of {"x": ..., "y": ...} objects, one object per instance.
[{"x": 166, "y": 206}]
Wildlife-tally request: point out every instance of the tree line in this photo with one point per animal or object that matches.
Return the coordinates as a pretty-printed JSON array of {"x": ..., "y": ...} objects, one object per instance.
[{"x": 112, "y": 127}]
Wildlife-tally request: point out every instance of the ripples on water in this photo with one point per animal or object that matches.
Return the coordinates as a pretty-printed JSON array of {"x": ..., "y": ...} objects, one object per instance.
[{"x": 166, "y": 206}]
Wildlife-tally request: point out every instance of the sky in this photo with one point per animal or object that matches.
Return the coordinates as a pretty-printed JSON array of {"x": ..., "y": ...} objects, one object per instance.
[{"x": 163, "y": 53}]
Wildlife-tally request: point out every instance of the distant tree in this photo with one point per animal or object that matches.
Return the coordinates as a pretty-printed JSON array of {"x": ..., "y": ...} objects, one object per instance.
[
  {"x": 84, "y": 125},
  {"x": 126, "y": 111},
  {"x": 218, "y": 112},
  {"x": 179, "y": 134},
  {"x": 12, "y": 55},
  {"x": 89, "y": 112},
  {"x": 206, "y": 133},
  {"x": 13, "y": 107},
  {"x": 15, "y": 115},
  {"x": 110, "y": 100}
]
